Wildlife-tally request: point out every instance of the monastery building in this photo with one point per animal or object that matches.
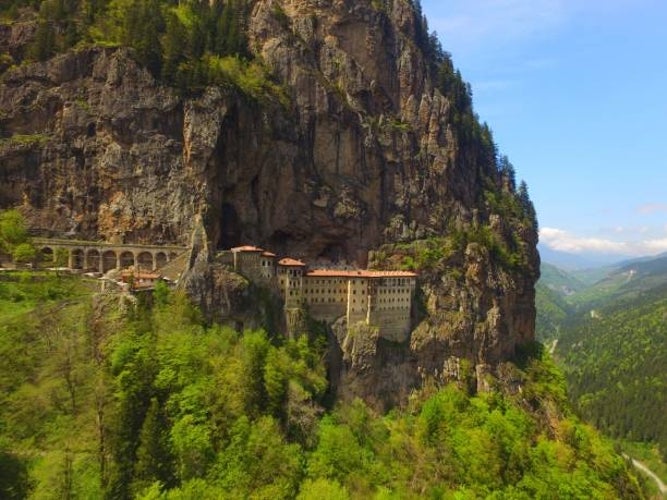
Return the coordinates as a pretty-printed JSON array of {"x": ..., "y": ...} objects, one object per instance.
[{"x": 378, "y": 298}]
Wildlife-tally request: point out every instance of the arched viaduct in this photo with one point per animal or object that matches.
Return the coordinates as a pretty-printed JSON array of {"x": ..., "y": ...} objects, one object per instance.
[{"x": 102, "y": 257}]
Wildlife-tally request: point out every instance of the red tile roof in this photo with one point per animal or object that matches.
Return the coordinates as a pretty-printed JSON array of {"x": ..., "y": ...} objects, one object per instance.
[
  {"x": 288, "y": 262},
  {"x": 268, "y": 254},
  {"x": 347, "y": 273},
  {"x": 247, "y": 248}
]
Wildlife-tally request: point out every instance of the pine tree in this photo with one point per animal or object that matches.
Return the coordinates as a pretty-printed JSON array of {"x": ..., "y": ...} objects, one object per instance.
[
  {"x": 507, "y": 173},
  {"x": 174, "y": 43},
  {"x": 43, "y": 46},
  {"x": 527, "y": 204},
  {"x": 144, "y": 30}
]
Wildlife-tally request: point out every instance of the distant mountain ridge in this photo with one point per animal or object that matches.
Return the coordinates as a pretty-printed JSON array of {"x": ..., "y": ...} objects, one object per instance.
[
  {"x": 593, "y": 287},
  {"x": 574, "y": 262},
  {"x": 626, "y": 280},
  {"x": 609, "y": 323},
  {"x": 615, "y": 363},
  {"x": 559, "y": 280}
]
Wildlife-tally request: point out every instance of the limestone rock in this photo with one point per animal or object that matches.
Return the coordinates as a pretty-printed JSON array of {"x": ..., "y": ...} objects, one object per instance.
[{"x": 364, "y": 154}]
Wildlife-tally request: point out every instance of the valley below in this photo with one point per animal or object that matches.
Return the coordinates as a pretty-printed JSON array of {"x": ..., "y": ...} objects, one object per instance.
[{"x": 610, "y": 336}]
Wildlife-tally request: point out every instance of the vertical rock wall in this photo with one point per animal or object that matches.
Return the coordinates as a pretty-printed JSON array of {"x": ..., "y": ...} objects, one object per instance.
[{"x": 364, "y": 152}]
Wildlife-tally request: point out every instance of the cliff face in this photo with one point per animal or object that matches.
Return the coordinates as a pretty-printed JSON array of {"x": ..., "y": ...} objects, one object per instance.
[{"x": 365, "y": 151}]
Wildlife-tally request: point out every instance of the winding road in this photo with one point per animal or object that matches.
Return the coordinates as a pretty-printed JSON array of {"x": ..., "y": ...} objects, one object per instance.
[{"x": 661, "y": 486}]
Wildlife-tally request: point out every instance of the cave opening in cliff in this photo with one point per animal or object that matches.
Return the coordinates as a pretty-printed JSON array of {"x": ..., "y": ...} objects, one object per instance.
[
  {"x": 230, "y": 227},
  {"x": 333, "y": 252}
]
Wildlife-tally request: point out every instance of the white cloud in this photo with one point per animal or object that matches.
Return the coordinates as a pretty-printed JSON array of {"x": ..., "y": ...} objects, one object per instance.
[
  {"x": 652, "y": 208},
  {"x": 656, "y": 246},
  {"x": 564, "y": 241}
]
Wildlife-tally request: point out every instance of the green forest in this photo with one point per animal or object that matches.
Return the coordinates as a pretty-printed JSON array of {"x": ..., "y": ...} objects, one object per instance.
[
  {"x": 187, "y": 44},
  {"x": 108, "y": 397},
  {"x": 190, "y": 44},
  {"x": 609, "y": 324},
  {"x": 615, "y": 363}
]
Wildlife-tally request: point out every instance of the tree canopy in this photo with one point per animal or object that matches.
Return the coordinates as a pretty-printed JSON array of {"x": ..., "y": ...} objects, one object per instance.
[
  {"x": 110, "y": 399},
  {"x": 14, "y": 237}
]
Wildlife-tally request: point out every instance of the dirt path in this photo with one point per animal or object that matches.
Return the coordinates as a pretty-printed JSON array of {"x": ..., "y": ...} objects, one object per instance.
[{"x": 552, "y": 348}]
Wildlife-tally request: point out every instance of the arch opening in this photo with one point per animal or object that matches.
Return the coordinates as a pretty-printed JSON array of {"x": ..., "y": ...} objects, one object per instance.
[
  {"x": 47, "y": 255},
  {"x": 77, "y": 258},
  {"x": 109, "y": 261},
  {"x": 160, "y": 260},
  {"x": 145, "y": 261},
  {"x": 93, "y": 259},
  {"x": 126, "y": 259}
]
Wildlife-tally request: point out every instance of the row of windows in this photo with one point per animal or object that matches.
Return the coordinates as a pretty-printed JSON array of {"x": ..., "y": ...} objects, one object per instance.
[
  {"x": 389, "y": 282},
  {"x": 294, "y": 273},
  {"x": 399, "y": 281},
  {"x": 390, "y": 308},
  {"x": 384, "y": 307},
  {"x": 344, "y": 294},
  {"x": 392, "y": 300},
  {"x": 330, "y": 299},
  {"x": 325, "y": 301},
  {"x": 382, "y": 291},
  {"x": 329, "y": 291},
  {"x": 310, "y": 284},
  {"x": 405, "y": 292},
  {"x": 291, "y": 283},
  {"x": 328, "y": 281}
]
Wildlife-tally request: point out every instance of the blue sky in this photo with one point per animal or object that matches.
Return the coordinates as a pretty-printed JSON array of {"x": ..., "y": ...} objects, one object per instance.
[{"x": 575, "y": 92}]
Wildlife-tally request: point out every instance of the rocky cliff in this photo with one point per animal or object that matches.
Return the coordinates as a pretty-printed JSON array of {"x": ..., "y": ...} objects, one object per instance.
[{"x": 370, "y": 147}]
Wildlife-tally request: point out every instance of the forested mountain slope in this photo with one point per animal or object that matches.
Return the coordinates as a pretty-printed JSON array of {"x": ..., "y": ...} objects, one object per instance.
[
  {"x": 615, "y": 362},
  {"x": 103, "y": 396},
  {"x": 612, "y": 343},
  {"x": 561, "y": 281},
  {"x": 623, "y": 282},
  {"x": 553, "y": 312},
  {"x": 566, "y": 297}
]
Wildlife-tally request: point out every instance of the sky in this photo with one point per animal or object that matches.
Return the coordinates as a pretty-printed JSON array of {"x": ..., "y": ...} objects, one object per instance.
[{"x": 575, "y": 92}]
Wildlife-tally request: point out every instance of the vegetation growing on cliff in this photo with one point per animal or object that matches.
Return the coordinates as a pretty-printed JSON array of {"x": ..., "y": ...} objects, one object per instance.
[
  {"x": 14, "y": 239},
  {"x": 147, "y": 403},
  {"x": 186, "y": 44}
]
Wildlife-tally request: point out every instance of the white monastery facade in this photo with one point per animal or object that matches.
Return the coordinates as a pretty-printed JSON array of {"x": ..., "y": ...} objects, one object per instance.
[{"x": 382, "y": 299}]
